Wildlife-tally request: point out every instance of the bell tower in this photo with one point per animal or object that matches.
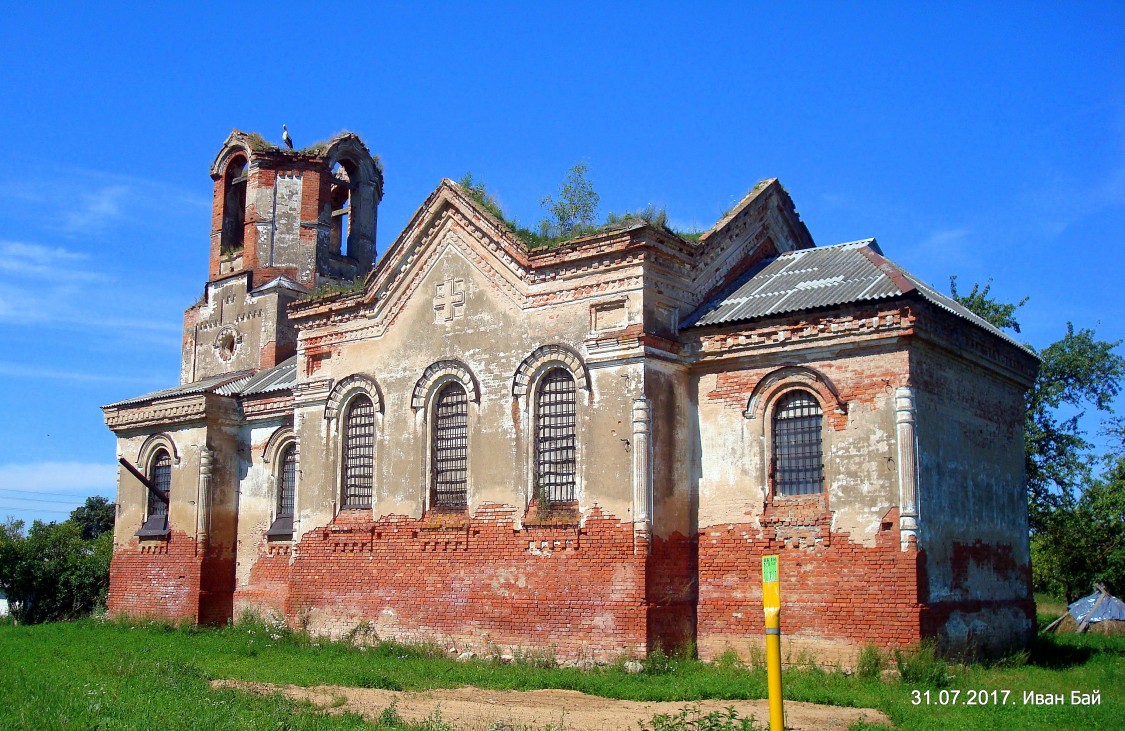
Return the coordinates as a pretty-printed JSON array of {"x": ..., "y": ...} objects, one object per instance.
[{"x": 282, "y": 223}]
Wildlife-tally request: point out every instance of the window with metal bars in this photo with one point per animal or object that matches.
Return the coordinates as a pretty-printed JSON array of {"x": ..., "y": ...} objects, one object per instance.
[
  {"x": 359, "y": 452},
  {"x": 555, "y": 437},
  {"x": 798, "y": 458},
  {"x": 161, "y": 475},
  {"x": 450, "y": 447},
  {"x": 286, "y": 492}
]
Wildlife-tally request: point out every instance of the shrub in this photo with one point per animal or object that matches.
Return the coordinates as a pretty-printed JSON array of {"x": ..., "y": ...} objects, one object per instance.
[
  {"x": 871, "y": 663},
  {"x": 691, "y": 718},
  {"x": 921, "y": 665}
]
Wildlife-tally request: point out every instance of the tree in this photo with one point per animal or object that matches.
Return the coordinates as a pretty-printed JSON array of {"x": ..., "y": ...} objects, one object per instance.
[
  {"x": 95, "y": 517},
  {"x": 1076, "y": 372},
  {"x": 1077, "y": 518},
  {"x": 576, "y": 205},
  {"x": 51, "y": 572}
]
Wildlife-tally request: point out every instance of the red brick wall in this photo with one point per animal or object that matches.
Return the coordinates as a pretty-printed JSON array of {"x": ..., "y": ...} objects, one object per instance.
[
  {"x": 578, "y": 592},
  {"x": 832, "y": 588},
  {"x": 267, "y": 590},
  {"x": 157, "y": 579}
]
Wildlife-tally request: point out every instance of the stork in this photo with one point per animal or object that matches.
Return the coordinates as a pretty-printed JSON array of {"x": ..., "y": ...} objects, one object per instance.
[{"x": 285, "y": 136}]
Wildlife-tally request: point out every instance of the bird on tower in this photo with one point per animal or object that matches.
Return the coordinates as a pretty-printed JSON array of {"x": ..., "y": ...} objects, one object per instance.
[{"x": 285, "y": 136}]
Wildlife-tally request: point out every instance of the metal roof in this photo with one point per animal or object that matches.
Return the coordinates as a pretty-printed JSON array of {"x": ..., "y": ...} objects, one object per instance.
[
  {"x": 206, "y": 385},
  {"x": 825, "y": 276},
  {"x": 282, "y": 377}
]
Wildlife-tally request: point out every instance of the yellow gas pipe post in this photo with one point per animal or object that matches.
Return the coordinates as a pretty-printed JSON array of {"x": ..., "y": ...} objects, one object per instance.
[{"x": 771, "y": 603}]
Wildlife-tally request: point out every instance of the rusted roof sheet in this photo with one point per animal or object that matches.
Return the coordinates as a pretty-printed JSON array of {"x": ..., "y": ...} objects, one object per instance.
[
  {"x": 282, "y": 377},
  {"x": 825, "y": 276},
  {"x": 206, "y": 385}
]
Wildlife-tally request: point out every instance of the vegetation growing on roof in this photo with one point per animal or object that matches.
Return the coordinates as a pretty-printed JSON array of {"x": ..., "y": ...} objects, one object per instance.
[
  {"x": 575, "y": 207},
  {"x": 258, "y": 143},
  {"x": 331, "y": 288}
]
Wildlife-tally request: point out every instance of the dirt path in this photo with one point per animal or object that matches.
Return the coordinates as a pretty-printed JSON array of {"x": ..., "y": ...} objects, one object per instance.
[{"x": 476, "y": 709}]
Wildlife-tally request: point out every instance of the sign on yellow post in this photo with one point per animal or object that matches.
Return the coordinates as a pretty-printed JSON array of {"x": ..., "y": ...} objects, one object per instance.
[{"x": 771, "y": 604}]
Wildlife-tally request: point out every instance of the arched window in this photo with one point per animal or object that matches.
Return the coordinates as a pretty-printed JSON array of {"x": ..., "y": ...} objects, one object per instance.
[
  {"x": 555, "y": 437},
  {"x": 156, "y": 510},
  {"x": 359, "y": 452},
  {"x": 798, "y": 459},
  {"x": 450, "y": 447},
  {"x": 340, "y": 195},
  {"x": 286, "y": 492},
  {"x": 234, "y": 207}
]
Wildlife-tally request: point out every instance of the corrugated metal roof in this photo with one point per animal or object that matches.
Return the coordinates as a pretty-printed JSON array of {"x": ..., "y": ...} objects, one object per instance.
[
  {"x": 205, "y": 385},
  {"x": 826, "y": 276},
  {"x": 282, "y": 377}
]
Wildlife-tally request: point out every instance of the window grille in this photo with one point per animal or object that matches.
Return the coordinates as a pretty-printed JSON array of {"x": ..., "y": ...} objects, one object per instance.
[
  {"x": 450, "y": 447},
  {"x": 288, "y": 482},
  {"x": 798, "y": 464},
  {"x": 359, "y": 452},
  {"x": 555, "y": 437},
  {"x": 161, "y": 476}
]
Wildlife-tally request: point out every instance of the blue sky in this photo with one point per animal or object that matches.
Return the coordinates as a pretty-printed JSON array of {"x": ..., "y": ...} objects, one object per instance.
[{"x": 983, "y": 141}]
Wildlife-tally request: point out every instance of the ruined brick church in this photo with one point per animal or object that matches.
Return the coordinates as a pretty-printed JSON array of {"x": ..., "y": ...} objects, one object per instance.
[{"x": 582, "y": 448}]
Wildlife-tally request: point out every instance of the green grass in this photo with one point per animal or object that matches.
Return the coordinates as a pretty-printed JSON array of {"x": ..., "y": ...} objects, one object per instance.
[{"x": 86, "y": 675}]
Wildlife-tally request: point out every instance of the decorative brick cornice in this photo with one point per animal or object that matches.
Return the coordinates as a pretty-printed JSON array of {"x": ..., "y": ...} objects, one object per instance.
[{"x": 173, "y": 411}]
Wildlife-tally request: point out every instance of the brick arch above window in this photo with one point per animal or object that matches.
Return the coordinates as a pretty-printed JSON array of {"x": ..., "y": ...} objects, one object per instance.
[
  {"x": 437, "y": 374},
  {"x": 282, "y": 437},
  {"x": 543, "y": 359},
  {"x": 150, "y": 447},
  {"x": 787, "y": 378},
  {"x": 346, "y": 389},
  {"x": 235, "y": 146}
]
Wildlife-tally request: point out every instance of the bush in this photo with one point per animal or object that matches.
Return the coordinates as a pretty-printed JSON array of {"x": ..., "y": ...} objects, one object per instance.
[
  {"x": 871, "y": 662},
  {"x": 691, "y": 718},
  {"x": 922, "y": 666},
  {"x": 52, "y": 573}
]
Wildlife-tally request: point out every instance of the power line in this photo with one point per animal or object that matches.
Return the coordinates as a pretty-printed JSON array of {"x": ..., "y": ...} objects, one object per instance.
[
  {"x": 34, "y": 510},
  {"x": 39, "y": 500},
  {"x": 46, "y": 492}
]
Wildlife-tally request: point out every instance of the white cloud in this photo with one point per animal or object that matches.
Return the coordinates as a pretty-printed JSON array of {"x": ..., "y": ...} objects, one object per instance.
[
  {"x": 49, "y": 263},
  {"x": 60, "y": 477},
  {"x": 95, "y": 209}
]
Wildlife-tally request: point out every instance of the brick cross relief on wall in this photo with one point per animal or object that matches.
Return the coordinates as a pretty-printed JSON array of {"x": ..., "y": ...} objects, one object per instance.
[{"x": 449, "y": 301}]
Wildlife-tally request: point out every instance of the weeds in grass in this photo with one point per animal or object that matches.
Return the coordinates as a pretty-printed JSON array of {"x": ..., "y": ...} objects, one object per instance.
[
  {"x": 535, "y": 658},
  {"x": 729, "y": 659},
  {"x": 871, "y": 662},
  {"x": 389, "y": 718},
  {"x": 657, "y": 661},
  {"x": 691, "y": 718},
  {"x": 921, "y": 665}
]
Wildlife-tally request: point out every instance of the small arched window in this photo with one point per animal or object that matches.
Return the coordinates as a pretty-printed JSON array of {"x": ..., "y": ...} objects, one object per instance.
[
  {"x": 156, "y": 509},
  {"x": 234, "y": 207},
  {"x": 340, "y": 195},
  {"x": 798, "y": 458},
  {"x": 286, "y": 492},
  {"x": 359, "y": 452},
  {"x": 555, "y": 440},
  {"x": 450, "y": 448}
]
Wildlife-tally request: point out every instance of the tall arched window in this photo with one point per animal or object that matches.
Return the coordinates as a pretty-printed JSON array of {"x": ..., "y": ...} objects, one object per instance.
[
  {"x": 359, "y": 452},
  {"x": 449, "y": 448},
  {"x": 156, "y": 510},
  {"x": 555, "y": 437},
  {"x": 286, "y": 492},
  {"x": 160, "y": 473},
  {"x": 234, "y": 207},
  {"x": 798, "y": 458}
]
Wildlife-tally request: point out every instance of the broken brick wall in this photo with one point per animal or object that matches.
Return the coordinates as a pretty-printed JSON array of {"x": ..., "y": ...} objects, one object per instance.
[{"x": 972, "y": 498}]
